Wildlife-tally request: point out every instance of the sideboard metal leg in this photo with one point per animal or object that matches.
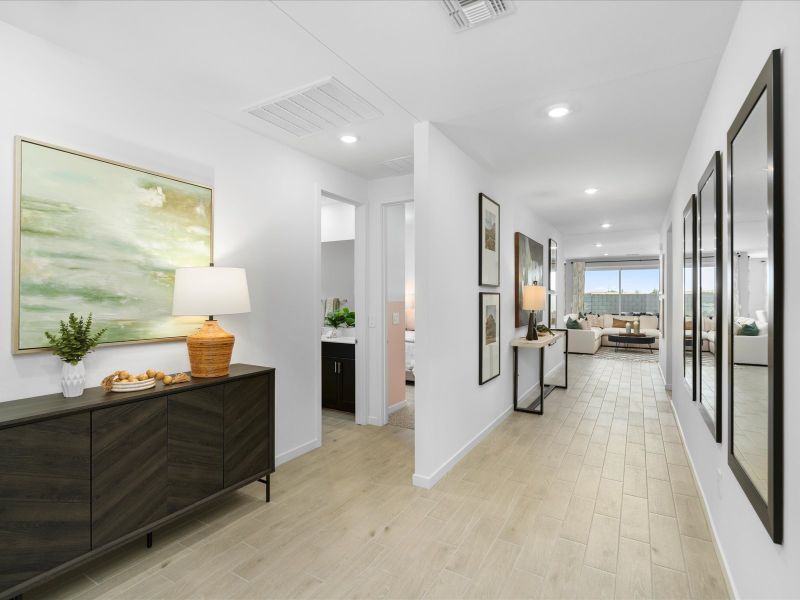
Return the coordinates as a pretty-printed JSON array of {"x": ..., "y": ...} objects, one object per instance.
[
  {"x": 150, "y": 539},
  {"x": 265, "y": 481}
]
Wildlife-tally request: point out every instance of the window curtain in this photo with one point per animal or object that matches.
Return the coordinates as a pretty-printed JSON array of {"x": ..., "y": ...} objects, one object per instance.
[{"x": 578, "y": 283}]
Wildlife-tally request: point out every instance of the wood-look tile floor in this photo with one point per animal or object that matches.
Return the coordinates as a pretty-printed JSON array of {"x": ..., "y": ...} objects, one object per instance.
[{"x": 593, "y": 500}]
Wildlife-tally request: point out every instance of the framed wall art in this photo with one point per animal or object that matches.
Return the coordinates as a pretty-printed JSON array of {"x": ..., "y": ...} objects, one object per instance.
[
  {"x": 92, "y": 235},
  {"x": 528, "y": 270},
  {"x": 489, "y": 353},
  {"x": 489, "y": 242}
]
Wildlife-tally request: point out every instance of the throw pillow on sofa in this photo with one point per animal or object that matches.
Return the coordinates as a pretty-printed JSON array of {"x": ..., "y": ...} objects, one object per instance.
[
  {"x": 748, "y": 329},
  {"x": 620, "y": 323},
  {"x": 573, "y": 324}
]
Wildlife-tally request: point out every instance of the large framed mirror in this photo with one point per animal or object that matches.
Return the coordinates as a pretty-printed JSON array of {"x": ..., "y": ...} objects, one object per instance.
[
  {"x": 689, "y": 297},
  {"x": 755, "y": 209},
  {"x": 552, "y": 283},
  {"x": 709, "y": 252}
]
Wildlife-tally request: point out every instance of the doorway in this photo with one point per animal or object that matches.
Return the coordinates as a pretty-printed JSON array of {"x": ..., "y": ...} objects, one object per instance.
[
  {"x": 338, "y": 301},
  {"x": 399, "y": 314},
  {"x": 666, "y": 315}
]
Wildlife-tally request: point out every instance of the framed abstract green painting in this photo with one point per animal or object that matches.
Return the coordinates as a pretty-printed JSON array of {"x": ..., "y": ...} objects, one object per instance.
[{"x": 96, "y": 236}]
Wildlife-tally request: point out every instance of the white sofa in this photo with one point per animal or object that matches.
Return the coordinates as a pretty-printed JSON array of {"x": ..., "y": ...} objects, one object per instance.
[
  {"x": 588, "y": 341},
  {"x": 751, "y": 349}
]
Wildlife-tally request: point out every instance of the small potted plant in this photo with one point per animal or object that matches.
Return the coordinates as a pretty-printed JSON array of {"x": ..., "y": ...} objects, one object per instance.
[
  {"x": 343, "y": 317},
  {"x": 73, "y": 342}
]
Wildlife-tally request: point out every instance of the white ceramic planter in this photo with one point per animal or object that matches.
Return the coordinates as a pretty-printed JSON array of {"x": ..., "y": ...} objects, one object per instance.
[{"x": 73, "y": 379}]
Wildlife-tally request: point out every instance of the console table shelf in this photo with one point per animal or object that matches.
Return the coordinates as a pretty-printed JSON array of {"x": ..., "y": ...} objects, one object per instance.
[
  {"x": 544, "y": 341},
  {"x": 82, "y": 476}
]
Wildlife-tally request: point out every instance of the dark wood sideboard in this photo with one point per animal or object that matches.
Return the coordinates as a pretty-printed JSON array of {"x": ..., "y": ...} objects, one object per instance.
[{"x": 81, "y": 476}]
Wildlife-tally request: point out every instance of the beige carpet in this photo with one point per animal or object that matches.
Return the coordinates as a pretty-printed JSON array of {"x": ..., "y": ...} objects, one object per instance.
[{"x": 405, "y": 416}]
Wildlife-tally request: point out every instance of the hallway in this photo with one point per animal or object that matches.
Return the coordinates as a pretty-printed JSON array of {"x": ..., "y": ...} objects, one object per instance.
[{"x": 595, "y": 499}]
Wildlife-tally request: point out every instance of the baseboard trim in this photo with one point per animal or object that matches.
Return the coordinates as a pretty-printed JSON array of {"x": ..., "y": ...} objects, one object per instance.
[
  {"x": 285, "y": 457},
  {"x": 428, "y": 481},
  {"x": 393, "y": 408},
  {"x": 717, "y": 548}
]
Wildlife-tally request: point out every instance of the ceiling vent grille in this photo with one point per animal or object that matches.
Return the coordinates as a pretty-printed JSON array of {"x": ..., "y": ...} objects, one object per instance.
[
  {"x": 465, "y": 14},
  {"x": 401, "y": 165},
  {"x": 327, "y": 104}
]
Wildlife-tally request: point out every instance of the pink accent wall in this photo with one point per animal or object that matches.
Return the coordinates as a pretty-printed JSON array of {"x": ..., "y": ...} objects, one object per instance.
[{"x": 396, "y": 353}]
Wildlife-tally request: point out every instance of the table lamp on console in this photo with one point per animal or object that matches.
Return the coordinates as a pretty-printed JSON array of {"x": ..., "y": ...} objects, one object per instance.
[
  {"x": 210, "y": 291},
  {"x": 533, "y": 299}
]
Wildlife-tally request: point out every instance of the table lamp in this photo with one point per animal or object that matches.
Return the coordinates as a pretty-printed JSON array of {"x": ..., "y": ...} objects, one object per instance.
[
  {"x": 210, "y": 291},
  {"x": 533, "y": 299}
]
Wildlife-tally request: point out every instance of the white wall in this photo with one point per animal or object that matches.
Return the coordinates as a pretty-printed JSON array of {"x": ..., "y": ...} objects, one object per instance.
[
  {"x": 409, "y": 248},
  {"x": 395, "y": 252},
  {"x": 757, "y": 567},
  {"x": 338, "y": 221},
  {"x": 265, "y": 215},
  {"x": 338, "y": 268},
  {"x": 453, "y": 411}
]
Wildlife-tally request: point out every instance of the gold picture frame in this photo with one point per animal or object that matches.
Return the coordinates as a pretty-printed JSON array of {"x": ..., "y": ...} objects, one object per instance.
[{"x": 174, "y": 193}]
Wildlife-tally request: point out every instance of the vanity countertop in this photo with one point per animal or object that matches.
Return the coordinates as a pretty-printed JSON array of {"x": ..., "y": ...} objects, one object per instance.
[{"x": 339, "y": 340}]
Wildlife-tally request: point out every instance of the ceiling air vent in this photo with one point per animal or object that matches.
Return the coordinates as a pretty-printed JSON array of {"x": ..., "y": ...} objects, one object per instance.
[
  {"x": 468, "y": 13},
  {"x": 400, "y": 165},
  {"x": 327, "y": 104}
]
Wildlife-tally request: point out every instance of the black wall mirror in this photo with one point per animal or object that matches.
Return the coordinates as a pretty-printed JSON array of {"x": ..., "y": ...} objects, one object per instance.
[
  {"x": 709, "y": 252},
  {"x": 689, "y": 298},
  {"x": 755, "y": 209}
]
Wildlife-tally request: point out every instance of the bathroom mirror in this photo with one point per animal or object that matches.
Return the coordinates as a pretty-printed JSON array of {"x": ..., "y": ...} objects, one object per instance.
[
  {"x": 689, "y": 298},
  {"x": 709, "y": 252},
  {"x": 755, "y": 209}
]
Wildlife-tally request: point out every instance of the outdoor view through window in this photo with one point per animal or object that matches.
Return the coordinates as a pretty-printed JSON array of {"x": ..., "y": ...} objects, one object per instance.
[{"x": 618, "y": 291}]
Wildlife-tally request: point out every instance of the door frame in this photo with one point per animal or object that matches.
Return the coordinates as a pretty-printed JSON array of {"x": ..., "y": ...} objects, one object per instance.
[
  {"x": 383, "y": 414},
  {"x": 359, "y": 304},
  {"x": 669, "y": 336}
]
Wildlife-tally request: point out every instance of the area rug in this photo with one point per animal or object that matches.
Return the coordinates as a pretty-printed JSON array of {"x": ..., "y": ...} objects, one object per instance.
[
  {"x": 629, "y": 354},
  {"x": 405, "y": 416}
]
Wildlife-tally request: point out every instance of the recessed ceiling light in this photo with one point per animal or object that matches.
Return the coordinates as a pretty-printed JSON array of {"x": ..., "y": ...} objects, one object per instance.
[
  {"x": 590, "y": 191},
  {"x": 557, "y": 111},
  {"x": 349, "y": 139},
  {"x": 605, "y": 225},
  {"x": 598, "y": 245},
  {"x": 605, "y": 253}
]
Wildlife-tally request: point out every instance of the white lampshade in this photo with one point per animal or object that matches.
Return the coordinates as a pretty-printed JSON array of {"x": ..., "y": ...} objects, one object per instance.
[
  {"x": 533, "y": 297},
  {"x": 210, "y": 291}
]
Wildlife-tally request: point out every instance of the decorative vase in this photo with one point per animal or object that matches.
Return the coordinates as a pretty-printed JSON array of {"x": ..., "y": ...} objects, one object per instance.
[
  {"x": 628, "y": 327},
  {"x": 333, "y": 332},
  {"x": 73, "y": 379},
  {"x": 636, "y": 327}
]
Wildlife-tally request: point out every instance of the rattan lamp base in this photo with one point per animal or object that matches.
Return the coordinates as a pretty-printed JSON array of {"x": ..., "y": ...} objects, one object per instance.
[{"x": 210, "y": 350}]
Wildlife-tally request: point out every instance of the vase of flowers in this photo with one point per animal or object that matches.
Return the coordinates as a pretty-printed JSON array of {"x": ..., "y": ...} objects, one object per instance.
[
  {"x": 72, "y": 343},
  {"x": 343, "y": 317}
]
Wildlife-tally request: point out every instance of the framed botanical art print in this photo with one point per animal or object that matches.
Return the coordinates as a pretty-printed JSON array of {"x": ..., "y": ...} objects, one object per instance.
[
  {"x": 96, "y": 236},
  {"x": 489, "y": 241},
  {"x": 489, "y": 354},
  {"x": 528, "y": 270}
]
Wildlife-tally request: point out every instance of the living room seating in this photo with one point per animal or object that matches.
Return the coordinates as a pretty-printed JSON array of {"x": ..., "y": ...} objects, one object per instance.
[{"x": 596, "y": 329}]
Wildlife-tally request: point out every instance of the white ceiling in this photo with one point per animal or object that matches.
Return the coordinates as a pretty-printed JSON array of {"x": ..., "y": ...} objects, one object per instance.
[{"x": 637, "y": 74}]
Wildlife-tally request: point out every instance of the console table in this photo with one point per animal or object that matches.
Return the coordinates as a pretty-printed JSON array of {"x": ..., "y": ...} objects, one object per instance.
[
  {"x": 82, "y": 476},
  {"x": 544, "y": 341}
]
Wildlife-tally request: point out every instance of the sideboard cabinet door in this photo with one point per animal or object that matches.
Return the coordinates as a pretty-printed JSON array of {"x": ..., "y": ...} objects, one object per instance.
[
  {"x": 195, "y": 446},
  {"x": 129, "y": 468},
  {"x": 44, "y": 496},
  {"x": 246, "y": 428}
]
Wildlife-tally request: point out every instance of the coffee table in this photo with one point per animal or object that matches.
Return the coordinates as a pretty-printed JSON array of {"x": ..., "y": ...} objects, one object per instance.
[{"x": 624, "y": 340}]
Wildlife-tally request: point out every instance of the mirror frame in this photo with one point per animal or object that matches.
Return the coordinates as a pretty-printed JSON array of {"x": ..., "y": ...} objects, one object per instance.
[
  {"x": 690, "y": 213},
  {"x": 714, "y": 169},
  {"x": 552, "y": 282},
  {"x": 770, "y": 511}
]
